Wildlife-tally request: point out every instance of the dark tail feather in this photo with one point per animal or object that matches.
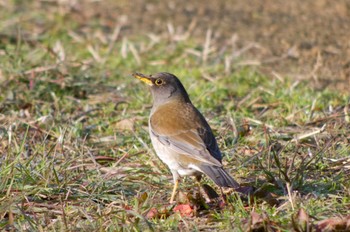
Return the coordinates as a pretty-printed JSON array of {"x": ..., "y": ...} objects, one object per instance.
[{"x": 219, "y": 176}]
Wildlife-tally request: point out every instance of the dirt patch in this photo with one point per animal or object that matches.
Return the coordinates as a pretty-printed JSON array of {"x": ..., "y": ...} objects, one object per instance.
[{"x": 300, "y": 39}]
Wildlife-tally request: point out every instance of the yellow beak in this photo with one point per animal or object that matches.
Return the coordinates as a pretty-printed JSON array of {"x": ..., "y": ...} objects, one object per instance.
[{"x": 143, "y": 78}]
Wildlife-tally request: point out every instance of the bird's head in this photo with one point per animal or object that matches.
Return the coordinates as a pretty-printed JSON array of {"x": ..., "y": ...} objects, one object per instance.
[{"x": 164, "y": 87}]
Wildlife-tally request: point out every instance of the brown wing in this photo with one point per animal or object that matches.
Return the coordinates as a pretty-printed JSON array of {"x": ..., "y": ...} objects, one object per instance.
[{"x": 185, "y": 132}]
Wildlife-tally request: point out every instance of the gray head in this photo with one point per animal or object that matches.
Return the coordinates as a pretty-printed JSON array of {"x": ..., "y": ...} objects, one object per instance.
[{"x": 164, "y": 87}]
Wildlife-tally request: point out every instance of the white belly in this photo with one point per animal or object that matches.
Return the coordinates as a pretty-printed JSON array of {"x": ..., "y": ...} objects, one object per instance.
[{"x": 169, "y": 157}]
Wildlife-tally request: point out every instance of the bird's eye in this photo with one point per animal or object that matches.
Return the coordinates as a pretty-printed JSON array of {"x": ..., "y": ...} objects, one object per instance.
[{"x": 159, "y": 82}]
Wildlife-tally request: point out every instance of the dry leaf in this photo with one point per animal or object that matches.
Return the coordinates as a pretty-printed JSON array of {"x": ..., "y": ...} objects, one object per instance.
[
  {"x": 301, "y": 221},
  {"x": 259, "y": 222},
  {"x": 152, "y": 213},
  {"x": 184, "y": 210},
  {"x": 334, "y": 224},
  {"x": 59, "y": 51},
  {"x": 125, "y": 124}
]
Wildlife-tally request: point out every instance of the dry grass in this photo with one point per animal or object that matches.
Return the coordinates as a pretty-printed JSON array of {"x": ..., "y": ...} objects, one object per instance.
[{"x": 74, "y": 138}]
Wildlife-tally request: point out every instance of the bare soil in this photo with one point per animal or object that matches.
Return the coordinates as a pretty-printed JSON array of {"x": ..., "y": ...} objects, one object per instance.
[{"x": 300, "y": 39}]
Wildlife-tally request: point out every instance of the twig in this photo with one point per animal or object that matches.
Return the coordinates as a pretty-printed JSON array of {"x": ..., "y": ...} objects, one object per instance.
[
  {"x": 114, "y": 38},
  {"x": 206, "y": 46},
  {"x": 94, "y": 54},
  {"x": 309, "y": 134},
  {"x": 260, "y": 123},
  {"x": 135, "y": 53},
  {"x": 317, "y": 65},
  {"x": 290, "y": 197},
  {"x": 123, "y": 157},
  {"x": 64, "y": 216},
  {"x": 40, "y": 69}
]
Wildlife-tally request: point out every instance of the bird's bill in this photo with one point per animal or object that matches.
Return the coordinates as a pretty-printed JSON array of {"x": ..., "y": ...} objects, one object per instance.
[{"x": 143, "y": 78}]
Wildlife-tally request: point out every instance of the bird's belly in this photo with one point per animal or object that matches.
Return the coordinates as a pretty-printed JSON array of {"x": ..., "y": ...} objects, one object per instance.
[
  {"x": 188, "y": 172},
  {"x": 170, "y": 158}
]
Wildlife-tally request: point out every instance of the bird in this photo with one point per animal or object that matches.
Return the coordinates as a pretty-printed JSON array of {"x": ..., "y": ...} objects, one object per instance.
[{"x": 180, "y": 135}]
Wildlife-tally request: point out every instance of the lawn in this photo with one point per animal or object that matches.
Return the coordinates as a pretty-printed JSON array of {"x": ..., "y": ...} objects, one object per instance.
[{"x": 74, "y": 143}]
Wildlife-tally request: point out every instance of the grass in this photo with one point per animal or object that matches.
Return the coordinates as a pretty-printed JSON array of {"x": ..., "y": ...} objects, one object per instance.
[{"x": 74, "y": 140}]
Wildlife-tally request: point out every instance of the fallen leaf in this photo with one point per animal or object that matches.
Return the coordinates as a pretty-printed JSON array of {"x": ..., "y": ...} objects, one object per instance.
[
  {"x": 125, "y": 124},
  {"x": 152, "y": 214},
  {"x": 256, "y": 219},
  {"x": 301, "y": 221},
  {"x": 334, "y": 224},
  {"x": 143, "y": 197},
  {"x": 259, "y": 222},
  {"x": 184, "y": 210}
]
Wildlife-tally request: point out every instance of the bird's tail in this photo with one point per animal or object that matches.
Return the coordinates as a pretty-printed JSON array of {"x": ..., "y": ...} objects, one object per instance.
[{"x": 219, "y": 176}]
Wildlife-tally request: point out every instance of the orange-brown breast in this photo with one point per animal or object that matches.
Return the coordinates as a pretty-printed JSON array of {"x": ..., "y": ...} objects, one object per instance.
[{"x": 169, "y": 120}]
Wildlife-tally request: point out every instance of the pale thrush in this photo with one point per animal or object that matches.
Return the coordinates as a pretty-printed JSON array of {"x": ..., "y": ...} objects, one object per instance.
[{"x": 180, "y": 135}]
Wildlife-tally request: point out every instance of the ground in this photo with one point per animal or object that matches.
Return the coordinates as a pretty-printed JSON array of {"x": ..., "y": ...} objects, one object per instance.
[
  {"x": 271, "y": 77},
  {"x": 302, "y": 40}
]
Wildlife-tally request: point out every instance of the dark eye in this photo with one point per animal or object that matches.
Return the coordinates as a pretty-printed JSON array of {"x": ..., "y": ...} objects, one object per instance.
[{"x": 159, "y": 82}]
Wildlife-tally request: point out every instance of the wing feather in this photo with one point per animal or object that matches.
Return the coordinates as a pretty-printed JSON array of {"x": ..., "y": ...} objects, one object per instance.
[{"x": 187, "y": 133}]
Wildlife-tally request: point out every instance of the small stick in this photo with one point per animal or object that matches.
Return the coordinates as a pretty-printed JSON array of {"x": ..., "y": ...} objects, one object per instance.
[{"x": 306, "y": 135}]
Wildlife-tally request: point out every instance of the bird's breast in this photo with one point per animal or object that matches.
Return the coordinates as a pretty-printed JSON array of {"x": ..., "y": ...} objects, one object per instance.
[{"x": 173, "y": 117}]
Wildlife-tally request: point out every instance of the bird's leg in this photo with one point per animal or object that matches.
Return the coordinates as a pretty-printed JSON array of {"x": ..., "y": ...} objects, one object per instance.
[
  {"x": 176, "y": 183},
  {"x": 176, "y": 179}
]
